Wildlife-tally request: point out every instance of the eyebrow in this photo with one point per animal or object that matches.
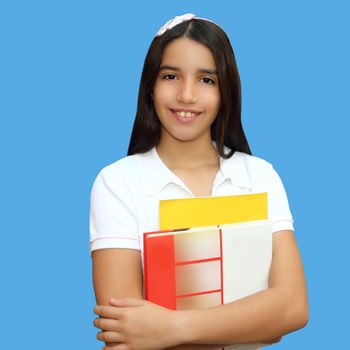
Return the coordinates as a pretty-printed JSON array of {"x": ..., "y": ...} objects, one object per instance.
[{"x": 201, "y": 70}]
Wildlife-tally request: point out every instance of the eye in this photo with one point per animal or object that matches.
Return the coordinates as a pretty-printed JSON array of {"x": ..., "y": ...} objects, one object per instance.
[
  {"x": 208, "y": 81},
  {"x": 169, "y": 76}
]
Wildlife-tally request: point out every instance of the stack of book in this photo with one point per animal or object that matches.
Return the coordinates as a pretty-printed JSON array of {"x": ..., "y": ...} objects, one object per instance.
[{"x": 209, "y": 251}]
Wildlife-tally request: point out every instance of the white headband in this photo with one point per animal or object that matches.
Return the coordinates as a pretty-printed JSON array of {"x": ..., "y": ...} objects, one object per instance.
[{"x": 177, "y": 20}]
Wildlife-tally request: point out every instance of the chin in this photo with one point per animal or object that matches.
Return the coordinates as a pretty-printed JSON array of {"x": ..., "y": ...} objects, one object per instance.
[
  {"x": 186, "y": 138},
  {"x": 183, "y": 135}
]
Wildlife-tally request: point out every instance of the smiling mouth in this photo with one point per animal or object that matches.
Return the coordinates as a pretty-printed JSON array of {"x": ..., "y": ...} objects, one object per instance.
[{"x": 185, "y": 113}]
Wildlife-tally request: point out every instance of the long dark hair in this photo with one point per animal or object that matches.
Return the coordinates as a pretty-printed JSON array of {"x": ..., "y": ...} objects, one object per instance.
[{"x": 227, "y": 128}]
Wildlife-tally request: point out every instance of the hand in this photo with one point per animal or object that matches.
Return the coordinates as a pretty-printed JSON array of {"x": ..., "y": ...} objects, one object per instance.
[{"x": 136, "y": 324}]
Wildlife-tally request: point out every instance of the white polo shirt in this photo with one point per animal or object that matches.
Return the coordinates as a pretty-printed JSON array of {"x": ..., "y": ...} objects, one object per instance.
[{"x": 125, "y": 195}]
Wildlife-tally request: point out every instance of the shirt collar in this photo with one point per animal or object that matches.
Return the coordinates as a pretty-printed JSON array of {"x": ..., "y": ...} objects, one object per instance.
[{"x": 156, "y": 175}]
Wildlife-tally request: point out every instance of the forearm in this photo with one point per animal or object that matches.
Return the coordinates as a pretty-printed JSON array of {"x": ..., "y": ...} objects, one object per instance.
[{"x": 257, "y": 318}]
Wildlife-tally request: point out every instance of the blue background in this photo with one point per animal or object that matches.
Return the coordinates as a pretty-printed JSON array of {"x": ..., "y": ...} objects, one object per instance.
[{"x": 69, "y": 78}]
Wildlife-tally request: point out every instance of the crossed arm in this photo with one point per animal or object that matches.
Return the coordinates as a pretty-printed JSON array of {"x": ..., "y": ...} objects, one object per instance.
[{"x": 131, "y": 322}]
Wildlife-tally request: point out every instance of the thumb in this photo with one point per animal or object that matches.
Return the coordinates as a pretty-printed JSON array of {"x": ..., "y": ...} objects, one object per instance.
[{"x": 125, "y": 302}]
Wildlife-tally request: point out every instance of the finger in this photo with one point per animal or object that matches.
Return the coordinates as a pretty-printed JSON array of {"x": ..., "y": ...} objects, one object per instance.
[
  {"x": 107, "y": 311},
  {"x": 107, "y": 324},
  {"x": 109, "y": 337},
  {"x": 125, "y": 302}
]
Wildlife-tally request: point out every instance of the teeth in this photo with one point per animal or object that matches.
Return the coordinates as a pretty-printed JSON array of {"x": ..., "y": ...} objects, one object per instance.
[{"x": 185, "y": 114}]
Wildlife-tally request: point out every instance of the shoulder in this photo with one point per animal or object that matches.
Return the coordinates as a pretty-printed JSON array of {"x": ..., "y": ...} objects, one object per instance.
[
  {"x": 253, "y": 162},
  {"x": 121, "y": 169},
  {"x": 261, "y": 177},
  {"x": 127, "y": 174},
  {"x": 255, "y": 166},
  {"x": 118, "y": 177},
  {"x": 260, "y": 172}
]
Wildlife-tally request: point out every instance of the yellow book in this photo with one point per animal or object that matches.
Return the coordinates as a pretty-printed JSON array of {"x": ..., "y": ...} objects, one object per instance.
[{"x": 207, "y": 211}]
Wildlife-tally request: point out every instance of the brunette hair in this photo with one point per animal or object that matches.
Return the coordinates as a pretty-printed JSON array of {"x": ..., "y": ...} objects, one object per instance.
[{"x": 226, "y": 130}]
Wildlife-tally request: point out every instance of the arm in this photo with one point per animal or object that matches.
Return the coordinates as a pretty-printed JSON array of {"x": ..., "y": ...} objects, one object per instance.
[
  {"x": 117, "y": 273},
  {"x": 269, "y": 314}
]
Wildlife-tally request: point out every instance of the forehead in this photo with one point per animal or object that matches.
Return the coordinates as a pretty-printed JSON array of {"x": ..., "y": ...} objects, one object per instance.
[{"x": 187, "y": 53}]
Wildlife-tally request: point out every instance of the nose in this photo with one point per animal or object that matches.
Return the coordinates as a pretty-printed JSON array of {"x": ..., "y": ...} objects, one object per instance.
[{"x": 186, "y": 93}]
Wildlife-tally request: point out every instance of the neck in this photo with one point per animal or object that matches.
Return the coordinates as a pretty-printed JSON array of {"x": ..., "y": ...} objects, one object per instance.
[{"x": 187, "y": 154}]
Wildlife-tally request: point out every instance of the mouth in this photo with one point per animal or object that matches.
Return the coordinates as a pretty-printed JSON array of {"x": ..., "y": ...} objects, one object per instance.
[{"x": 185, "y": 115}]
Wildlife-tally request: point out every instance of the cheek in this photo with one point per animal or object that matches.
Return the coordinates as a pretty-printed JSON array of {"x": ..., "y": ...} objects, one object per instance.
[
  {"x": 213, "y": 101},
  {"x": 162, "y": 93},
  {"x": 161, "y": 100}
]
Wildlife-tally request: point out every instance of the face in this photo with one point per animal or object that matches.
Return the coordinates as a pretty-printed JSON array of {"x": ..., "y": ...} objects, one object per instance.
[{"x": 186, "y": 93}]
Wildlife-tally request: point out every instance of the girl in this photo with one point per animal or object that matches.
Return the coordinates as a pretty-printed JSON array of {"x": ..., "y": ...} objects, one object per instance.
[{"x": 187, "y": 141}]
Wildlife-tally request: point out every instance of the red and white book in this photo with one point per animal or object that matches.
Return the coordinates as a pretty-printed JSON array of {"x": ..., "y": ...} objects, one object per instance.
[{"x": 207, "y": 266}]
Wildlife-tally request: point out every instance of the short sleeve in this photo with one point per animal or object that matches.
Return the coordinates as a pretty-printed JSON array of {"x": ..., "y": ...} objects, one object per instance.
[
  {"x": 113, "y": 222},
  {"x": 278, "y": 206}
]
